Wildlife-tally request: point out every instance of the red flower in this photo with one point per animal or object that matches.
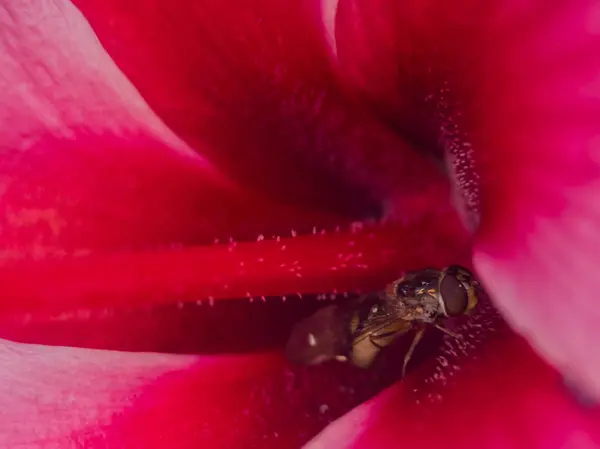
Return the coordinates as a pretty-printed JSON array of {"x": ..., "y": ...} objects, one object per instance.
[{"x": 272, "y": 127}]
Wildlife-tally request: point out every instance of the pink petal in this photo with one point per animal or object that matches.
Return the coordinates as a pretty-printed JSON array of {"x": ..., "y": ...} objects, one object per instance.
[
  {"x": 520, "y": 82},
  {"x": 257, "y": 76},
  {"x": 492, "y": 392},
  {"x": 538, "y": 249},
  {"x": 63, "y": 396},
  {"x": 88, "y": 166},
  {"x": 51, "y": 392}
]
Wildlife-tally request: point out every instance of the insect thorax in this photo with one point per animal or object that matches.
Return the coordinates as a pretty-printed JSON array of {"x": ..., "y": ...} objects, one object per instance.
[
  {"x": 423, "y": 307},
  {"x": 415, "y": 296}
]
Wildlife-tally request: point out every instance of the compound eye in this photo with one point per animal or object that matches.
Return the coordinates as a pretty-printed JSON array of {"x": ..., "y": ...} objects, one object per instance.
[
  {"x": 454, "y": 295},
  {"x": 461, "y": 273}
]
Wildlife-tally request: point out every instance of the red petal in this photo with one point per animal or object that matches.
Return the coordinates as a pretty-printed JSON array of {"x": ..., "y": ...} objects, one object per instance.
[
  {"x": 324, "y": 262},
  {"x": 90, "y": 301},
  {"x": 256, "y": 76},
  {"x": 491, "y": 392}
]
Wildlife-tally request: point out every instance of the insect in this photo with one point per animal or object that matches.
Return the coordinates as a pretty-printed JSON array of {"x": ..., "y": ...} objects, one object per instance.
[{"x": 358, "y": 330}]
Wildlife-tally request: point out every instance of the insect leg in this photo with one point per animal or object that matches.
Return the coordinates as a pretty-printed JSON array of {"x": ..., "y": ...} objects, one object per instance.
[
  {"x": 447, "y": 332},
  {"x": 411, "y": 350}
]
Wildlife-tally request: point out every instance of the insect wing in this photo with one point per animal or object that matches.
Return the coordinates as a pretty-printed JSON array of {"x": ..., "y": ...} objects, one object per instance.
[
  {"x": 321, "y": 337},
  {"x": 374, "y": 335}
]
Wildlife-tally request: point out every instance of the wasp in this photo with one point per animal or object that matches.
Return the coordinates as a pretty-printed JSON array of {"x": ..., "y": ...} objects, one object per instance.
[{"x": 358, "y": 330}]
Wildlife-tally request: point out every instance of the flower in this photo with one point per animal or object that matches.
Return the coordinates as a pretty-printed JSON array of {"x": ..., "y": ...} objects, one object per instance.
[{"x": 184, "y": 122}]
